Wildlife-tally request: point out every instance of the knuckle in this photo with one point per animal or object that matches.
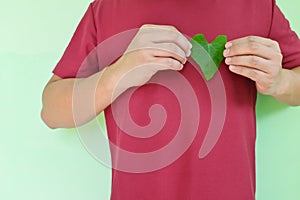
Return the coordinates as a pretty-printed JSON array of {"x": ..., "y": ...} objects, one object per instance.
[
  {"x": 251, "y": 39},
  {"x": 253, "y": 46},
  {"x": 143, "y": 56}
]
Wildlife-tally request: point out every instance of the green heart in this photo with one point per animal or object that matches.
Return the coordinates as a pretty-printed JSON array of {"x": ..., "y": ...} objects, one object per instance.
[{"x": 208, "y": 56}]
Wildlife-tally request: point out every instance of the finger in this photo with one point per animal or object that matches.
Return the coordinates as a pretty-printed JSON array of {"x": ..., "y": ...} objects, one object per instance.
[
  {"x": 250, "y": 73},
  {"x": 256, "y": 49},
  {"x": 254, "y": 62},
  {"x": 167, "y": 63},
  {"x": 254, "y": 39},
  {"x": 169, "y": 50},
  {"x": 166, "y": 34}
]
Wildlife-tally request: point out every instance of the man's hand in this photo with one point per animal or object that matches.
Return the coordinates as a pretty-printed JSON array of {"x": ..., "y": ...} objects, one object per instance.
[
  {"x": 257, "y": 58},
  {"x": 154, "y": 48},
  {"x": 260, "y": 59}
]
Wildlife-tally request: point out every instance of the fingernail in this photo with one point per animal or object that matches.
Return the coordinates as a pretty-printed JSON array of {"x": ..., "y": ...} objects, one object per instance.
[
  {"x": 189, "y": 53},
  {"x": 228, "y": 45},
  {"x": 232, "y": 68},
  {"x": 226, "y": 52},
  {"x": 180, "y": 68},
  {"x": 227, "y": 60}
]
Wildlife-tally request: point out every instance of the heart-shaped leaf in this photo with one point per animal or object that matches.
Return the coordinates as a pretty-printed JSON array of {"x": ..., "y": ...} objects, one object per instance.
[{"x": 208, "y": 56}]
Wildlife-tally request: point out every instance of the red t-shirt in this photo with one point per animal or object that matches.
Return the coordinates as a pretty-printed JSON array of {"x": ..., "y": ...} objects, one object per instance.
[{"x": 227, "y": 169}]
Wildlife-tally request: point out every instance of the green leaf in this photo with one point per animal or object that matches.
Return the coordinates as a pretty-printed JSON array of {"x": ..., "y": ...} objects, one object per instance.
[{"x": 208, "y": 56}]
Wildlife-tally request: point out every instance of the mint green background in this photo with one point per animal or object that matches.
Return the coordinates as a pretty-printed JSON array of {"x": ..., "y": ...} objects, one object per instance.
[{"x": 38, "y": 163}]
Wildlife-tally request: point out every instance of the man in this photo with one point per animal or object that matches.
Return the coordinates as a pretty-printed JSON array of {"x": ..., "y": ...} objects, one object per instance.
[{"x": 263, "y": 54}]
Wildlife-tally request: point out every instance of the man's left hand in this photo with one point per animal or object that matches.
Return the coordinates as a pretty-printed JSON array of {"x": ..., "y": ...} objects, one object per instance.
[{"x": 257, "y": 58}]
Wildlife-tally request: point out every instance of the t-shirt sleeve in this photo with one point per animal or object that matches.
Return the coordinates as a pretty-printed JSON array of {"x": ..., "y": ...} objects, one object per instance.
[
  {"x": 80, "y": 59},
  {"x": 286, "y": 37}
]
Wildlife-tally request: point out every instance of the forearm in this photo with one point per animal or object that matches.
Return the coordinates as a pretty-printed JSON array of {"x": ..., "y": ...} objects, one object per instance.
[
  {"x": 62, "y": 97},
  {"x": 289, "y": 92},
  {"x": 146, "y": 55}
]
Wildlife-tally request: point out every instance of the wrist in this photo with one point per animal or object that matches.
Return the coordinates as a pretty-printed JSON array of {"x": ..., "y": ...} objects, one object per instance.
[
  {"x": 283, "y": 89},
  {"x": 112, "y": 76}
]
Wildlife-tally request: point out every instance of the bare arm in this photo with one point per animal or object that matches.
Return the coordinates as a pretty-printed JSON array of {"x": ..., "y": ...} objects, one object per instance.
[
  {"x": 58, "y": 95},
  {"x": 153, "y": 49}
]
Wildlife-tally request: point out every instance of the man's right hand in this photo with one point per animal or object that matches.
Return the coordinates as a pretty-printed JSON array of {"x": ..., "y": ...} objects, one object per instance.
[{"x": 154, "y": 48}]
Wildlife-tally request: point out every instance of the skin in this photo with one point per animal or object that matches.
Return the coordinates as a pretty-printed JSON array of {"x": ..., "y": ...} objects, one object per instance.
[
  {"x": 260, "y": 59},
  {"x": 57, "y": 111},
  {"x": 257, "y": 58}
]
